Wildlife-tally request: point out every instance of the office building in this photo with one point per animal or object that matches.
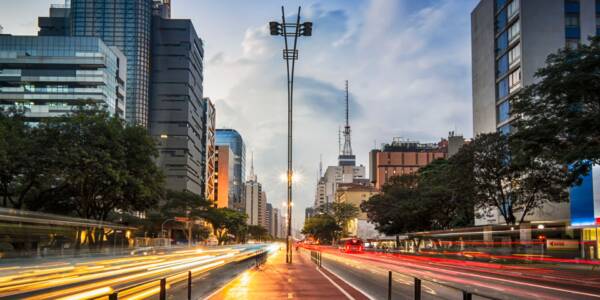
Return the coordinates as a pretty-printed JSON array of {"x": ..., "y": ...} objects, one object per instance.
[
  {"x": 210, "y": 157},
  {"x": 49, "y": 76},
  {"x": 224, "y": 169},
  {"x": 401, "y": 157},
  {"x": 269, "y": 218},
  {"x": 455, "y": 142},
  {"x": 510, "y": 40},
  {"x": 126, "y": 25},
  {"x": 355, "y": 194},
  {"x": 275, "y": 231},
  {"x": 233, "y": 139},
  {"x": 177, "y": 110},
  {"x": 255, "y": 200},
  {"x": 58, "y": 23}
]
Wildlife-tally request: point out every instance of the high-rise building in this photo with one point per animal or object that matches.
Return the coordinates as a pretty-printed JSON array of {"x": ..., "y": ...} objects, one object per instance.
[
  {"x": 269, "y": 218},
  {"x": 402, "y": 157},
  {"x": 233, "y": 139},
  {"x": 126, "y": 25},
  {"x": 209, "y": 137},
  {"x": 275, "y": 231},
  {"x": 455, "y": 142},
  {"x": 255, "y": 200},
  {"x": 177, "y": 110},
  {"x": 58, "y": 23},
  {"x": 224, "y": 169},
  {"x": 510, "y": 40},
  {"x": 49, "y": 76}
]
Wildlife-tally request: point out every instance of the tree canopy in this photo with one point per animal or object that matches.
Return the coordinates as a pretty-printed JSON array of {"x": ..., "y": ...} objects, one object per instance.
[{"x": 558, "y": 118}]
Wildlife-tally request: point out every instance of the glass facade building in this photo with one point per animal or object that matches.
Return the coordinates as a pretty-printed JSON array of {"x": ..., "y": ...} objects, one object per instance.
[
  {"x": 52, "y": 75},
  {"x": 125, "y": 24},
  {"x": 233, "y": 139}
]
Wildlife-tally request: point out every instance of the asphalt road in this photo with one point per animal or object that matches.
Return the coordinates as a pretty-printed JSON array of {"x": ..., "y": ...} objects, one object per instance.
[
  {"x": 446, "y": 278},
  {"x": 135, "y": 277}
]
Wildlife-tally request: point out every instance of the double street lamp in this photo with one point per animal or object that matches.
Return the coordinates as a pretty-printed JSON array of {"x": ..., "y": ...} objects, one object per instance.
[{"x": 290, "y": 55}]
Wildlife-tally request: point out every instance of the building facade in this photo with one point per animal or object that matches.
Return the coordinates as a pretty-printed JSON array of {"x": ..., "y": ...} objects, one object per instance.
[
  {"x": 224, "y": 168},
  {"x": 58, "y": 23},
  {"x": 233, "y": 139},
  {"x": 210, "y": 158},
  {"x": 510, "y": 41},
  {"x": 52, "y": 75},
  {"x": 355, "y": 194},
  {"x": 126, "y": 25},
  {"x": 177, "y": 110},
  {"x": 255, "y": 203},
  {"x": 402, "y": 157},
  {"x": 275, "y": 231}
]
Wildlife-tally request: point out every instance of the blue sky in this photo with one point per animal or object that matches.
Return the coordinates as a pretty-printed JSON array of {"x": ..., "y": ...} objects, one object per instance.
[{"x": 407, "y": 61}]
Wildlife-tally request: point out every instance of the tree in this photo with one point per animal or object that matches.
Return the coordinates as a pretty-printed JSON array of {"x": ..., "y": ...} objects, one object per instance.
[
  {"x": 104, "y": 165},
  {"x": 322, "y": 227},
  {"x": 399, "y": 208},
  {"x": 559, "y": 116},
  {"x": 225, "y": 221},
  {"x": 258, "y": 232},
  {"x": 184, "y": 204},
  {"x": 512, "y": 185},
  {"x": 445, "y": 188}
]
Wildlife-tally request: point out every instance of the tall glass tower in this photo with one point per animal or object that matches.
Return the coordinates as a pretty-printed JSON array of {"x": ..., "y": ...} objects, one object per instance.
[
  {"x": 125, "y": 24},
  {"x": 231, "y": 138}
]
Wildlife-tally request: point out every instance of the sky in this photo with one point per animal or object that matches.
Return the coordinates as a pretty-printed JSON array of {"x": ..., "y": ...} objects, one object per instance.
[{"x": 407, "y": 63}]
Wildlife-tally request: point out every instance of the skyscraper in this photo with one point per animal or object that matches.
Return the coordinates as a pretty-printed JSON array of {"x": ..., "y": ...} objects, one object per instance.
[
  {"x": 255, "y": 200},
  {"x": 125, "y": 24},
  {"x": 210, "y": 160},
  {"x": 224, "y": 169},
  {"x": 233, "y": 139},
  {"x": 177, "y": 110},
  {"x": 510, "y": 41}
]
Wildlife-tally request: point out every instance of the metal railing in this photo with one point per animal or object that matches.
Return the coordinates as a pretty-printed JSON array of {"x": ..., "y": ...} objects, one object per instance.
[
  {"x": 163, "y": 283},
  {"x": 317, "y": 258}
]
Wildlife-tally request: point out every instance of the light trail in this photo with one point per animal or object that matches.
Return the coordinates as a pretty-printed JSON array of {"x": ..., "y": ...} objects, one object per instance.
[{"x": 100, "y": 277}]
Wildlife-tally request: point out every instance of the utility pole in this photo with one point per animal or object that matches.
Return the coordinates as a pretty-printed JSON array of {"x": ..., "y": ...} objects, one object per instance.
[{"x": 290, "y": 30}]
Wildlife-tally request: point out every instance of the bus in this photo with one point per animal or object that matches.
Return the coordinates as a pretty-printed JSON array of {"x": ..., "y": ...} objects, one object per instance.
[{"x": 351, "y": 245}]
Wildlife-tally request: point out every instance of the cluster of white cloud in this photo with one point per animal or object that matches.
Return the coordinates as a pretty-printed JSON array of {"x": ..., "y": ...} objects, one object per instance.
[{"x": 409, "y": 70}]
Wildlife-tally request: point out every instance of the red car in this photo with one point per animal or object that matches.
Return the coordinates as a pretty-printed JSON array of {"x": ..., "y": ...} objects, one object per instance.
[{"x": 351, "y": 245}]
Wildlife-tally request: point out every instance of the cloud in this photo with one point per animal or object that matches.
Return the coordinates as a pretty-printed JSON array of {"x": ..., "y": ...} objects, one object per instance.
[{"x": 408, "y": 65}]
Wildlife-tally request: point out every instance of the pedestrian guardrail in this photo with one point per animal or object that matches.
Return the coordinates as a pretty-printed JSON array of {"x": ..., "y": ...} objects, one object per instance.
[
  {"x": 315, "y": 256},
  {"x": 164, "y": 283}
]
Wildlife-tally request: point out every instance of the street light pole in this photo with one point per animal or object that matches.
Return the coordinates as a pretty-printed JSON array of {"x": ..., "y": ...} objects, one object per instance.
[{"x": 298, "y": 29}]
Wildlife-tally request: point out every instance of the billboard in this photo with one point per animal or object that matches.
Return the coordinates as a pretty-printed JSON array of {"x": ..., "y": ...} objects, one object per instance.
[{"x": 585, "y": 200}]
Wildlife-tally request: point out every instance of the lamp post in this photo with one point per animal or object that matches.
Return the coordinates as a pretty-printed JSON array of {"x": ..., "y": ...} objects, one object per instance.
[{"x": 290, "y": 30}]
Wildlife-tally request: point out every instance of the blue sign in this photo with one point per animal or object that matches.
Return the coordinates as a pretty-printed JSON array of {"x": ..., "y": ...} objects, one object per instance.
[{"x": 585, "y": 200}]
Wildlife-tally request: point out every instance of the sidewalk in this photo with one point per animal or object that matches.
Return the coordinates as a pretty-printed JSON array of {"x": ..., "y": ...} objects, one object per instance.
[{"x": 278, "y": 280}]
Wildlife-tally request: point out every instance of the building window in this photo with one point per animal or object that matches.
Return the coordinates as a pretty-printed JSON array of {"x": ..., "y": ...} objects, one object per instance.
[
  {"x": 502, "y": 42},
  {"x": 572, "y": 20},
  {"x": 503, "y": 112},
  {"x": 571, "y": 6},
  {"x": 502, "y": 89},
  {"x": 514, "y": 55},
  {"x": 502, "y": 65},
  {"x": 514, "y": 30},
  {"x": 514, "y": 80},
  {"x": 512, "y": 9},
  {"x": 505, "y": 129},
  {"x": 500, "y": 4},
  {"x": 501, "y": 20},
  {"x": 572, "y": 43}
]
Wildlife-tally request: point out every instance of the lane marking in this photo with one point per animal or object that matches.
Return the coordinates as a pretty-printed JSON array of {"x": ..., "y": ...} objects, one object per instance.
[
  {"x": 350, "y": 284},
  {"x": 336, "y": 285},
  {"x": 408, "y": 265}
]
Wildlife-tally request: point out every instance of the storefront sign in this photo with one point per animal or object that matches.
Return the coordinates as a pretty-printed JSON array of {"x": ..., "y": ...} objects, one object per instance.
[{"x": 562, "y": 244}]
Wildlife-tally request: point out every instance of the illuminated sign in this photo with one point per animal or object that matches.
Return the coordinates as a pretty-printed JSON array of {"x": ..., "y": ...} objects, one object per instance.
[
  {"x": 562, "y": 244},
  {"x": 585, "y": 200}
]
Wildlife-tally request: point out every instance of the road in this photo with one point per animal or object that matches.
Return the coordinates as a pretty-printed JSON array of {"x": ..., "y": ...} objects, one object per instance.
[
  {"x": 135, "y": 277},
  {"x": 369, "y": 273}
]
